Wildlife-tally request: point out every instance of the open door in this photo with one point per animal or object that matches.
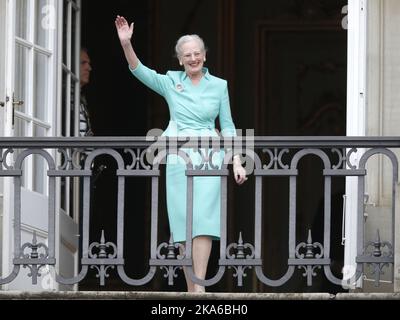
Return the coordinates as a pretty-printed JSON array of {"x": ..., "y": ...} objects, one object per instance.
[{"x": 33, "y": 109}]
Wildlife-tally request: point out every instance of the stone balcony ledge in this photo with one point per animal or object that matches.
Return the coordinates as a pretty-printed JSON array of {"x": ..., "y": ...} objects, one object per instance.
[{"x": 144, "y": 295}]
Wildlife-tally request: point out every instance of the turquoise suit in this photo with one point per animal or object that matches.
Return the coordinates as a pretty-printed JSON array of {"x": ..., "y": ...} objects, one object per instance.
[{"x": 193, "y": 110}]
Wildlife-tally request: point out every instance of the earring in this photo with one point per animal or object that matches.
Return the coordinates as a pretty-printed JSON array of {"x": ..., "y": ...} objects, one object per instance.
[
  {"x": 204, "y": 59},
  {"x": 180, "y": 63}
]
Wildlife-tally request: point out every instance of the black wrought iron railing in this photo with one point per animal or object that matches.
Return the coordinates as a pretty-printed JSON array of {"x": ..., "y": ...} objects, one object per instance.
[{"x": 265, "y": 157}]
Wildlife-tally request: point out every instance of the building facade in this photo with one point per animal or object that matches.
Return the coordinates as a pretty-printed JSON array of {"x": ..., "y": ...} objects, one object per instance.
[{"x": 297, "y": 68}]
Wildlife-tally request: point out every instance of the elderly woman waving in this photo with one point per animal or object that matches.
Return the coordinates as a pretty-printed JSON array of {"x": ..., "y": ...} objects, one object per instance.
[{"x": 195, "y": 99}]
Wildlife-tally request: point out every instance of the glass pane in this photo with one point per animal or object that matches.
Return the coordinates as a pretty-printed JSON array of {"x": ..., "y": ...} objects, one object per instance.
[
  {"x": 64, "y": 181},
  {"x": 45, "y": 21},
  {"x": 20, "y": 130},
  {"x": 73, "y": 44},
  {"x": 20, "y": 127},
  {"x": 21, "y": 19},
  {"x": 64, "y": 111},
  {"x": 39, "y": 171},
  {"x": 63, "y": 193},
  {"x": 39, "y": 131},
  {"x": 21, "y": 75},
  {"x": 68, "y": 111},
  {"x": 72, "y": 106},
  {"x": 40, "y": 105},
  {"x": 65, "y": 32},
  {"x": 71, "y": 197},
  {"x": 39, "y": 164},
  {"x": 24, "y": 168}
]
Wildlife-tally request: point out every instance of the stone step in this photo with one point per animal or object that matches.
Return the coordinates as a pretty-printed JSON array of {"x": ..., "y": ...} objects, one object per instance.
[{"x": 142, "y": 295}]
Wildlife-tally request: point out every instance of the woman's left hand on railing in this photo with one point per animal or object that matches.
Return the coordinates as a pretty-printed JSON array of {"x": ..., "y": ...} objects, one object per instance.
[{"x": 238, "y": 171}]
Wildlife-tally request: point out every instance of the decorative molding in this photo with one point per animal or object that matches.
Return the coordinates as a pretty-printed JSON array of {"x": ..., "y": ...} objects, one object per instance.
[{"x": 39, "y": 232}]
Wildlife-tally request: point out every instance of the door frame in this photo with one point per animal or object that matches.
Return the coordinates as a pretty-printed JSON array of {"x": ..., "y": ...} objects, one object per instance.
[{"x": 356, "y": 123}]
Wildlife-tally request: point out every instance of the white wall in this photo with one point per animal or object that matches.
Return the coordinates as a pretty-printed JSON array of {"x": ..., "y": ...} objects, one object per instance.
[{"x": 383, "y": 113}]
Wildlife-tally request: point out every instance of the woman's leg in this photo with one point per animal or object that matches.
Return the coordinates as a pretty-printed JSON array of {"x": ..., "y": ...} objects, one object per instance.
[
  {"x": 189, "y": 283},
  {"x": 200, "y": 254}
]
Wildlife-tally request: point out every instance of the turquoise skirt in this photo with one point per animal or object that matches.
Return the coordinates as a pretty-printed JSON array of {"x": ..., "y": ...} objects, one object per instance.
[{"x": 206, "y": 197}]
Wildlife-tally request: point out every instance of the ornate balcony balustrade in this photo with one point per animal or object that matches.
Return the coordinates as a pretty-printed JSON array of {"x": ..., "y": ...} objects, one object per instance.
[{"x": 264, "y": 157}]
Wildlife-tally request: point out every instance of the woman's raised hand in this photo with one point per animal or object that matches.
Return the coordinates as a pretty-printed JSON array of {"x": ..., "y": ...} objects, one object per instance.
[{"x": 124, "y": 30}]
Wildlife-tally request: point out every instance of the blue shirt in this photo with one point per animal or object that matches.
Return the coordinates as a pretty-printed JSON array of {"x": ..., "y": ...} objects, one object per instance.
[{"x": 193, "y": 108}]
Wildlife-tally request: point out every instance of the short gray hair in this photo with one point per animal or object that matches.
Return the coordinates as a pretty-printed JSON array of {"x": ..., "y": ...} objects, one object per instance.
[{"x": 186, "y": 38}]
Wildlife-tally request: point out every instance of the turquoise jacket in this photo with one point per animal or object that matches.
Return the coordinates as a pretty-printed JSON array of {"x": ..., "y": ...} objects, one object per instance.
[{"x": 193, "y": 108}]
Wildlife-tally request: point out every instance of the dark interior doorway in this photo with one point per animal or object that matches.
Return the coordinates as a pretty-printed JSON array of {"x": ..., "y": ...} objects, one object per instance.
[
  {"x": 118, "y": 107},
  {"x": 285, "y": 62}
]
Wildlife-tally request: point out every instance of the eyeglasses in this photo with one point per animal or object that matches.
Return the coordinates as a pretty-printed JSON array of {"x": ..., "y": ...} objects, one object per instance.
[{"x": 189, "y": 55}]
